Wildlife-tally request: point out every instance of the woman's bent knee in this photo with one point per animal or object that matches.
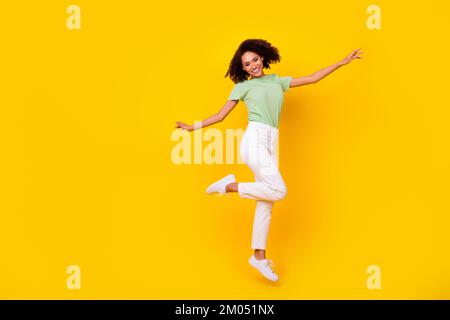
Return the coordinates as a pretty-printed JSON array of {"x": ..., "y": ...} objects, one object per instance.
[
  {"x": 277, "y": 194},
  {"x": 281, "y": 194}
]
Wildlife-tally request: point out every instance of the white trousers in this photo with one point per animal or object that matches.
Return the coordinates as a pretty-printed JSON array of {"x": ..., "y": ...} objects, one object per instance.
[{"x": 259, "y": 150}]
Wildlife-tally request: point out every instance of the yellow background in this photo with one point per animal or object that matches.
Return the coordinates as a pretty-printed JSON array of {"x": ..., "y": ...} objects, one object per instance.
[{"x": 87, "y": 177}]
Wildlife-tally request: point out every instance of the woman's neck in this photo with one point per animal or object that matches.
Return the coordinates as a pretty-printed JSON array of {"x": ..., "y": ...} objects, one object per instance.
[{"x": 262, "y": 75}]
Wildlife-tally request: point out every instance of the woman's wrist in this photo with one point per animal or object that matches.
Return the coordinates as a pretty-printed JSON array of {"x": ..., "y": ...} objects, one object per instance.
[{"x": 196, "y": 125}]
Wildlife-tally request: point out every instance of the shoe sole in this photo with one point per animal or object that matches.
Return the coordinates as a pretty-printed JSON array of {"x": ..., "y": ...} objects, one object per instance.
[
  {"x": 256, "y": 268},
  {"x": 208, "y": 191}
]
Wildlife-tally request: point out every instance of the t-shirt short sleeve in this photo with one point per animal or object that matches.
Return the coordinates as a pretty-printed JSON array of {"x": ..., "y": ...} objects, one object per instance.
[
  {"x": 285, "y": 82},
  {"x": 238, "y": 92}
]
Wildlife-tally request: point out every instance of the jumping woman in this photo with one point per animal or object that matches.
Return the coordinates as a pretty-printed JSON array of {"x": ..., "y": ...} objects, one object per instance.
[{"x": 263, "y": 95}]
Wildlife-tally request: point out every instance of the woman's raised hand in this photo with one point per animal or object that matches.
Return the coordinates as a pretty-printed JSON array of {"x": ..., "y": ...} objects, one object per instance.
[
  {"x": 353, "y": 55},
  {"x": 183, "y": 126}
]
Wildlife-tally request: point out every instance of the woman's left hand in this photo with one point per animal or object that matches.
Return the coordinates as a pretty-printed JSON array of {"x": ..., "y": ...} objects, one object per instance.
[
  {"x": 183, "y": 126},
  {"x": 353, "y": 55}
]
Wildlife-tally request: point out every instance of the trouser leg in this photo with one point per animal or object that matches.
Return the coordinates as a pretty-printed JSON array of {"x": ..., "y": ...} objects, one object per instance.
[{"x": 261, "y": 224}]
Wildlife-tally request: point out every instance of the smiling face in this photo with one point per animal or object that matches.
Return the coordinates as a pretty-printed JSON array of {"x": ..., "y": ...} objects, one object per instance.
[{"x": 252, "y": 63}]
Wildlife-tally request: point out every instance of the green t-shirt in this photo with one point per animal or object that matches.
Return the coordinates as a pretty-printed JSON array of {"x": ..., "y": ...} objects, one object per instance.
[{"x": 263, "y": 97}]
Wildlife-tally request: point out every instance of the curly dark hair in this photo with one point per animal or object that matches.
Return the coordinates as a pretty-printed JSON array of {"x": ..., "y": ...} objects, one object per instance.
[{"x": 259, "y": 46}]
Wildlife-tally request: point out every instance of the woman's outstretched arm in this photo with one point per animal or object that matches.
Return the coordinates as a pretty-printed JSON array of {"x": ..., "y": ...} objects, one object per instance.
[
  {"x": 319, "y": 75},
  {"x": 217, "y": 117}
]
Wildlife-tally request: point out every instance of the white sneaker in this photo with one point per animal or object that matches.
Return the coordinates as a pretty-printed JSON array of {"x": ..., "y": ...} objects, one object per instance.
[
  {"x": 219, "y": 186},
  {"x": 264, "y": 267}
]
